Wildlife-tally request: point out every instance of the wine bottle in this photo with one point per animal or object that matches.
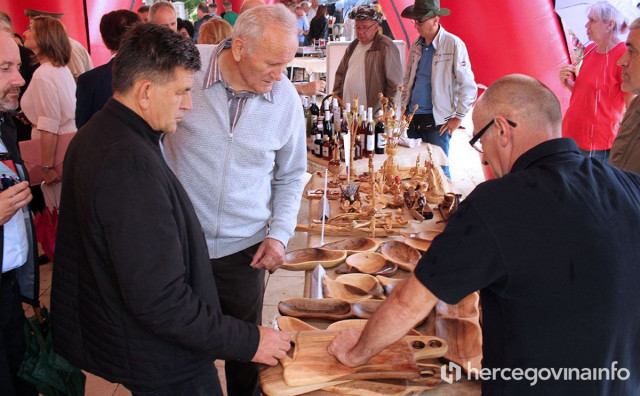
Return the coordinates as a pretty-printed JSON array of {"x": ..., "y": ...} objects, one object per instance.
[
  {"x": 314, "y": 110},
  {"x": 326, "y": 148},
  {"x": 381, "y": 140},
  {"x": 370, "y": 135}
]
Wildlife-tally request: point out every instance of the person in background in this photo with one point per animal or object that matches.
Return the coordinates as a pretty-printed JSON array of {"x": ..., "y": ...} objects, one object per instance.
[
  {"x": 19, "y": 275},
  {"x": 49, "y": 103},
  {"x": 625, "y": 150},
  {"x": 213, "y": 9},
  {"x": 143, "y": 11},
  {"x": 130, "y": 252},
  {"x": 319, "y": 26},
  {"x": 162, "y": 13},
  {"x": 303, "y": 25},
  {"x": 229, "y": 15},
  {"x": 202, "y": 12},
  {"x": 542, "y": 308},
  {"x": 313, "y": 10},
  {"x": 438, "y": 78},
  {"x": 94, "y": 87},
  {"x": 214, "y": 31},
  {"x": 370, "y": 65},
  {"x": 185, "y": 28},
  {"x": 597, "y": 99},
  {"x": 247, "y": 194},
  {"x": 79, "y": 61}
]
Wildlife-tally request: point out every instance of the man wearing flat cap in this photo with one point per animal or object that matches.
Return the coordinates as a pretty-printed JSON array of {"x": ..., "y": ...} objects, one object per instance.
[
  {"x": 371, "y": 63},
  {"x": 438, "y": 78}
]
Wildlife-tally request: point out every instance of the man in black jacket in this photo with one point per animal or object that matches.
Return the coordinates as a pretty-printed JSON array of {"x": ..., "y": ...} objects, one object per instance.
[
  {"x": 18, "y": 271},
  {"x": 133, "y": 296}
]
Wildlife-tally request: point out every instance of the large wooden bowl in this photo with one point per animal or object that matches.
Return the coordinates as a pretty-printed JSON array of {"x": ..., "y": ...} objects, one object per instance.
[
  {"x": 365, "y": 282},
  {"x": 320, "y": 308},
  {"x": 388, "y": 283},
  {"x": 365, "y": 309},
  {"x": 290, "y": 324},
  {"x": 370, "y": 263},
  {"x": 417, "y": 243},
  {"x": 401, "y": 254},
  {"x": 359, "y": 324},
  {"x": 350, "y": 293},
  {"x": 354, "y": 245},
  {"x": 307, "y": 259}
]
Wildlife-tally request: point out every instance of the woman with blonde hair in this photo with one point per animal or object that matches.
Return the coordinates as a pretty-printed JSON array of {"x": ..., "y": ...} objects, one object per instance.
[
  {"x": 49, "y": 102},
  {"x": 214, "y": 31}
]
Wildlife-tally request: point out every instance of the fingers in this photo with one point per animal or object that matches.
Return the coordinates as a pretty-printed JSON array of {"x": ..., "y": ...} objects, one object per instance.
[{"x": 272, "y": 347}]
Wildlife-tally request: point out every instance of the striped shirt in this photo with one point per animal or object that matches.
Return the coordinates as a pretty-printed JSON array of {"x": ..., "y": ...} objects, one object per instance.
[{"x": 236, "y": 101}]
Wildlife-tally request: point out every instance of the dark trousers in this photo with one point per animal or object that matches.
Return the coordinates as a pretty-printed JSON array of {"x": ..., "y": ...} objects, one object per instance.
[
  {"x": 241, "y": 291},
  {"x": 12, "y": 343},
  {"x": 423, "y": 126},
  {"x": 205, "y": 384}
]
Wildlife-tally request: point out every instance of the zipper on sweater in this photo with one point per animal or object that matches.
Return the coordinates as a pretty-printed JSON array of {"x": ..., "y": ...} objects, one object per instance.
[{"x": 221, "y": 199}]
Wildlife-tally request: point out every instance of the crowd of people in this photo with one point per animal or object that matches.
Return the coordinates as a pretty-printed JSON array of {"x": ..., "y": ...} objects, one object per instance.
[{"x": 182, "y": 185}]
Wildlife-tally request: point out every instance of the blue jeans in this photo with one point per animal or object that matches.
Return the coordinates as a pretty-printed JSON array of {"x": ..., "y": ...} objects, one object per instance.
[
  {"x": 423, "y": 126},
  {"x": 205, "y": 384},
  {"x": 600, "y": 155}
]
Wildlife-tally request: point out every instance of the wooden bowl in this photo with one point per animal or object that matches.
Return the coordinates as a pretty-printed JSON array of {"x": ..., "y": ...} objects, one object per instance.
[
  {"x": 365, "y": 282},
  {"x": 359, "y": 324},
  {"x": 401, "y": 254},
  {"x": 388, "y": 283},
  {"x": 307, "y": 259},
  {"x": 424, "y": 235},
  {"x": 289, "y": 324},
  {"x": 354, "y": 245},
  {"x": 417, "y": 243},
  {"x": 365, "y": 309},
  {"x": 370, "y": 263},
  {"x": 321, "y": 308},
  {"x": 350, "y": 293}
]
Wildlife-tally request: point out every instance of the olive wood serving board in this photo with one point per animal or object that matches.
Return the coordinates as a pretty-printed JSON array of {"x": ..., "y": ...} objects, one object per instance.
[
  {"x": 309, "y": 362},
  {"x": 272, "y": 383}
]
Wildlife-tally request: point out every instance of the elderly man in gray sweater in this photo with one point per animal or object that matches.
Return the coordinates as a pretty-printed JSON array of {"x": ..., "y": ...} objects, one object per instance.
[{"x": 240, "y": 155}]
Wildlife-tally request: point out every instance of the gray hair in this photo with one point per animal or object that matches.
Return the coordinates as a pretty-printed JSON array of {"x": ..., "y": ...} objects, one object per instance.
[
  {"x": 635, "y": 25},
  {"x": 251, "y": 24},
  {"x": 607, "y": 13},
  {"x": 156, "y": 6},
  {"x": 5, "y": 20}
]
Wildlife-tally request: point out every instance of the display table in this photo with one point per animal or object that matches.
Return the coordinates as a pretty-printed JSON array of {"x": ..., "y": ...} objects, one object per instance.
[{"x": 310, "y": 64}]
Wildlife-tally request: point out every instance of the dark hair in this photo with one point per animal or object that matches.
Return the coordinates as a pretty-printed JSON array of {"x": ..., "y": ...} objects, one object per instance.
[
  {"x": 115, "y": 24},
  {"x": 144, "y": 8},
  {"x": 19, "y": 37},
  {"x": 150, "y": 51},
  {"x": 183, "y": 23},
  {"x": 202, "y": 7},
  {"x": 321, "y": 12},
  {"x": 52, "y": 39}
]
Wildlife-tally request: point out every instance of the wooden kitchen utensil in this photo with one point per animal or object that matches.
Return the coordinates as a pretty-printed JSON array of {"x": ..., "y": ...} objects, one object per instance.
[
  {"x": 350, "y": 293},
  {"x": 370, "y": 263},
  {"x": 272, "y": 383},
  {"x": 310, "y": 363},
  {"x": 291, "y": 324},
  {"x": 417, "y": 243},
  {"x": 307, "y": 259},
  {"x": 365, "y": 282},
  {"x": 354, "y": 245},
  {"x": 403, "y": 255},
  {"x": 359, "y": 324},
  {"x": 327, "y": 308},
  {"x": 428, "y": 380},
  {"x": 388, "y": 283}
]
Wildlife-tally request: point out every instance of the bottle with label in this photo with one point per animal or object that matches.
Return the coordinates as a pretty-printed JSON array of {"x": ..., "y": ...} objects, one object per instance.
[
  {"x": 357, "y": 148},
  {"x": 370, "y": 134},
  {"x": 317, "y": 148},
  {"x": 328, "y": 125},
  {"x": 381, "y": 137},
  {"x": 341, "y": 147},
  {"x": 362, "y": 131},
  {"x": 314, "y": 110},
  {"x": 307, "y": 115},
  {"x": 326, "y": 148}
]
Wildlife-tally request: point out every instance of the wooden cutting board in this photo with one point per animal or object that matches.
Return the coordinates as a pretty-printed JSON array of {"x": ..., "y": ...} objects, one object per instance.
[
  {"x": 272, "y": 383},
  {"x": 310, "y": 363}
]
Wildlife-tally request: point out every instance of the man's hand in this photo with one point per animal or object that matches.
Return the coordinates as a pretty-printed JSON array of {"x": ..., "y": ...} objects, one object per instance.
[
  {"x": 273, "y": 346},
  {"x": 342, "y": 348},
  {"x": 270, "y": 255},
  {"x": 13, "y": 199},
  {"x": 312, "y": 88},
  {"x": 567, "y": 73},
  {"x": 50, "y": 176},
  {"x": 451, "y": 125}
]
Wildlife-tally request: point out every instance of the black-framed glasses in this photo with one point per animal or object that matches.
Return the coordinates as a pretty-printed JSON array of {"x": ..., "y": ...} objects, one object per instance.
[
  {"x": 475, "y": 140},
  {"x": 421, "y": 21}
]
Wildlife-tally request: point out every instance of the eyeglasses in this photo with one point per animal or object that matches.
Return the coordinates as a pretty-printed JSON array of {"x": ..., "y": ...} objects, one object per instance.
[
  {"x": 365, "y": 28},
  {"x": 419, "y": 22},
  {"x": 475, "y": 140}
]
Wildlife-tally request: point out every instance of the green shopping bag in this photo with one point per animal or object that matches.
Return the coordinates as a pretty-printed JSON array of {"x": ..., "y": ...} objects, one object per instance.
[{"x": 41, "y": 366}]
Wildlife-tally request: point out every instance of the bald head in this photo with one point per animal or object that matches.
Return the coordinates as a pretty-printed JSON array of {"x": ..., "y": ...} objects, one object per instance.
[
  {"x": 247, "y": 4},
  {"x": 163, "y": 13},
  {"x": 524, "y": 101}
]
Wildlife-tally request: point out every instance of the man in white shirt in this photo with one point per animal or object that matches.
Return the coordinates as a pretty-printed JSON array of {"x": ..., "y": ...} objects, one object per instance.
[{"x": 18, "y": 271}]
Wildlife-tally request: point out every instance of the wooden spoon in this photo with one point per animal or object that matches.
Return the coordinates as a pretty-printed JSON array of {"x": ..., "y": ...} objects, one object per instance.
[
  {"x": 370, "y": 263},
  {"x": 401, "y": 254},
  {"x": 307, "y": 259},
  {"x": 354, "y": 245}
]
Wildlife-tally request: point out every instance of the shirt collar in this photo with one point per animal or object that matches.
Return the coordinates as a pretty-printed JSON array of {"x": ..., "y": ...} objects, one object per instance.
[
  {"x": 214, "y": 74},
  {"x": 543, "y": 150}
]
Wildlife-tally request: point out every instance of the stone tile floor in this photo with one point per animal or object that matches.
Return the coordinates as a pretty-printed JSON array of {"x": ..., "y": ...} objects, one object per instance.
[{"x": 466, "y": 174}]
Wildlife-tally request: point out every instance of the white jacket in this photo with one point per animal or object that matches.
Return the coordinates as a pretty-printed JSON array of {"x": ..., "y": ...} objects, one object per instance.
[{"x": 453, "y": 89}]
